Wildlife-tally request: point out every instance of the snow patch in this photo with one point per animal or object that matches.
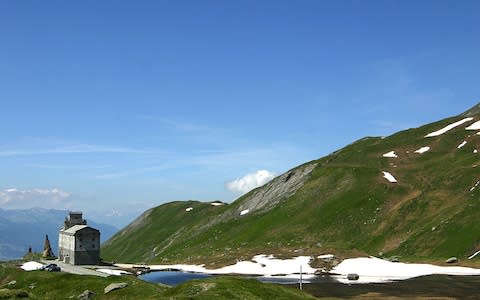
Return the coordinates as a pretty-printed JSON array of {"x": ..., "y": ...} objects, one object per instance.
[
  {"x": 389, "y": 177},
  {"x": 390, "y": 154},
  {"x": 474, "y": 126},
  {"x": 259, "y": 265},
  {"x": 244, "y": 212},
  {"x": 114, "y": 272},
  {"x": 475, "y": 186},
  {"x": 189, "y": 209},
  {"x": 462, "y": 144},
  {"x": 217, "y": 203},
  {"x": 448, "y": 127},
  {"x": 376, "y": 270},
  {"x": 32, "y": 266},
  {"x": 326, "y": 256},
  {"x": 475, "y": 151},
  {"x": 422, "y": 150},
  {"x": 474, "y": 254}
]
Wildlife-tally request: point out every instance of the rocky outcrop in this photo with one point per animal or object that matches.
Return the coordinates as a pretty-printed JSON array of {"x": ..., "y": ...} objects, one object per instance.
[
  {"x": 278, "y": 189},
  {"x": 115, "y": 286}
]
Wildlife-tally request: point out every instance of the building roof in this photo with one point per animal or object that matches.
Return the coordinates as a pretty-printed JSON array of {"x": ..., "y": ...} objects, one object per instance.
[{"x": 75, "y": 228}]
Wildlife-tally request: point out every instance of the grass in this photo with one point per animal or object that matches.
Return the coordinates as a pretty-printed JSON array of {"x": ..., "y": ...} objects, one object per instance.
[
  {"x": 46, "y": 285},
  {"x": 344, "y": 205}
]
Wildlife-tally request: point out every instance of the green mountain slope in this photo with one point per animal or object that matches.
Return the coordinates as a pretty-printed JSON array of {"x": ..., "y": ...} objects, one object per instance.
[{"x": 340, "y": 203}]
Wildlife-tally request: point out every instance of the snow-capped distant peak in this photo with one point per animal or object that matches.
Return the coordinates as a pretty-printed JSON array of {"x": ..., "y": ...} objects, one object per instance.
[
  {"x": 422, "y": 150},
  {"x": 390, "y": 154},
  {"x": 389, "y": 177},
  {"x": 448, "y": 127}
]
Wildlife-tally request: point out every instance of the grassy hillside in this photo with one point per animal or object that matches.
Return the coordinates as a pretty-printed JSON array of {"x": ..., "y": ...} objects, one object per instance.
[{"x": 341, "y": 204}]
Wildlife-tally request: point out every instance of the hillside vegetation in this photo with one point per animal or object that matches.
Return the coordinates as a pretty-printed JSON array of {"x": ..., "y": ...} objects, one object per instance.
[
  {"x": 340, "y": 203},
  {"x": 16, "y": 283}
]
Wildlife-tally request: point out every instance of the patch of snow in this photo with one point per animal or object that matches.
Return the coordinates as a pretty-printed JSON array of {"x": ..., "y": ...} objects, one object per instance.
[
  {"x": 448, "y": 127},
  {"x": 244, "y": 212},
  {"x": 462, "y": 144},
  {"x": 259, "y": 265},
  {"x": 390, "y": 154},
  {"x": 376, "y": 270},
  {"x": 475, "y": 151},
  {"x": 474, "y": 254},
  {"x": 474, "y": 186},
  {"x": 389, "y": 177},
  {"x": 422, "y": 150},
  {"x": 32, "y": 266},
  {"x": 189, "y": 209},
  {"x": 114, "y": 272},
  {"x": 478, "y": 133},
  {"x": 474, "y": 126},
  {"x": 326, "y": 256},
  {"x": 217, "y": 203}
]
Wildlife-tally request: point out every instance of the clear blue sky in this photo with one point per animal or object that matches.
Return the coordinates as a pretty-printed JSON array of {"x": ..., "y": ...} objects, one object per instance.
[{"x": 128, "y": 104}]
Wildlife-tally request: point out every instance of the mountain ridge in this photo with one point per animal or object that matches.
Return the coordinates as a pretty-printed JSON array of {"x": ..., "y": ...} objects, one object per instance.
[{"x": 343, "y": 204}]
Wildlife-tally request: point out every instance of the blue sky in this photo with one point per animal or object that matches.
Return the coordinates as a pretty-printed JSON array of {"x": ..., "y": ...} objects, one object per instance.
[{"x": 113, "y": 107}]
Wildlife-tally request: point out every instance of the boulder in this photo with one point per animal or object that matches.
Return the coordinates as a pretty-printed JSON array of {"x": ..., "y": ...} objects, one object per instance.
[
  {"x": 115, "y": 286},
  {"x": 452, "y": 260},
  {"x": 353, "y": 276},
  {"x": 86, "y": 295}
]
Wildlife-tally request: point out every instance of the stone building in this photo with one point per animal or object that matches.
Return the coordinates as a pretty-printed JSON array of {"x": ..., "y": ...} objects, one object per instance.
[{"x": 78, "y": 243}]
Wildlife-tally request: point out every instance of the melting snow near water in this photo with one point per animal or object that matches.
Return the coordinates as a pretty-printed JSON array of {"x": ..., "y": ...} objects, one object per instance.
[
  {"x": 448, "y": 127},
  {"x": 389, "y": 177},
  {"x": 390, "y": 154},
  {"x": 259, "y": 265},
  {"x": 422, "y": 150}
]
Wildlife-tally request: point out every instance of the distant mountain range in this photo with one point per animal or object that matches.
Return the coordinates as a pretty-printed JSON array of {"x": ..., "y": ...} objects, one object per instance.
[
  {"x": 21, "y": 228},
  {"x": 413, "y": 194}
]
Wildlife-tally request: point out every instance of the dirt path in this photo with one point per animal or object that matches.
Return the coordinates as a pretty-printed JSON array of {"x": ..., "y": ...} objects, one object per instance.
[{"x": 80, "y": 270}]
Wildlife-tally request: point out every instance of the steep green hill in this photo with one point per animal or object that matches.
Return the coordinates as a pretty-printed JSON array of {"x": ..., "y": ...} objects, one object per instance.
[{"x": 340, "y": 203}]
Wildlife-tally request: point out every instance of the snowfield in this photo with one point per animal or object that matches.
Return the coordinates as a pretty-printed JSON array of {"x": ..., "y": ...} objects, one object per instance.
[
  {"x": 422, "y": 150},
  {"x": 448, "y": 127},
  {"x": 390, "y": 154},
  {"x": 389, "y": 177},
  {"x": 376, "y": 270},
  {"x": 369, "y": 269}
]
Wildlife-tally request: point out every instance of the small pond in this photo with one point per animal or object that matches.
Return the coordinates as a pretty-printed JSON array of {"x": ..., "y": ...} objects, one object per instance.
[
  {"x": 171, "y": 277},
  {"x": 177, "y": 277}
]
